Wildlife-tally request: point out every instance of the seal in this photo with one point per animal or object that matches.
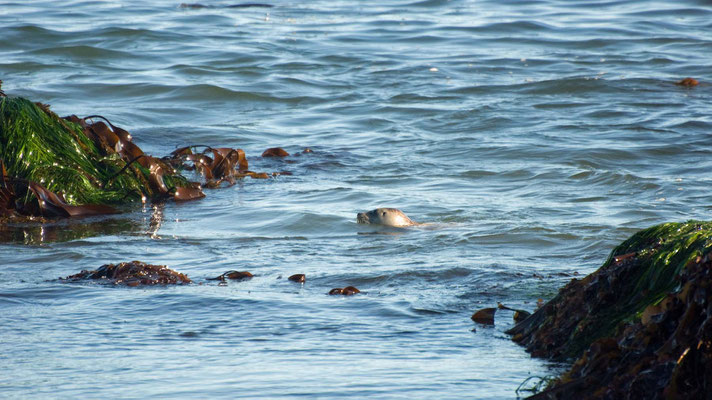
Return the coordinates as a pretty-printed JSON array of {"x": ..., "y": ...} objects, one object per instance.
[{"x": 386, "y": 217}]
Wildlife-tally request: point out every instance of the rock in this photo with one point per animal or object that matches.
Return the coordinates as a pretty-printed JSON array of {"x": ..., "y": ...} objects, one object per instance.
[{"x": 639, "y": 327}]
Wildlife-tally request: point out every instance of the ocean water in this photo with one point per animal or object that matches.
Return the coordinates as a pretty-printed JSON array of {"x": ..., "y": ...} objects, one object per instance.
[{"x": 532, "y": 135}]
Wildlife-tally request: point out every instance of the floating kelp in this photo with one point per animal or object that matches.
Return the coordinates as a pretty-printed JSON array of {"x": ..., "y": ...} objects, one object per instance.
[
  {"x": 275, "y": 152},
  {"x": 689, "y": 82},
  {"x": 233, "y": 275},
  {"x": 132, "y": 273},
  {"x": 215, "y": 165},
  {"x": 347, "y": 291},
  {"x": 519, "y": 315},
  {"x": 484, "y": 316},
  {"x": 645, "y": 318}
]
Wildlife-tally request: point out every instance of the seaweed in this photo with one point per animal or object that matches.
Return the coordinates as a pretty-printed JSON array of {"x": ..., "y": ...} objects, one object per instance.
[
  {"x": 638, "y": 327},
  {"x": 72, "y": 163},
  {"x": 638, "y": 273},
  {"x": 38, "y": 146},
  {"x": 56, "y": 167},
  {"x": 134, "y": 273},
  {"x": 66, "y": 167}
]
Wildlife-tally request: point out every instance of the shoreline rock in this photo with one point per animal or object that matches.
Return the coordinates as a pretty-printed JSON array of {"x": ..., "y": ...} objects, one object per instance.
[{"x": 639, "y": 327}]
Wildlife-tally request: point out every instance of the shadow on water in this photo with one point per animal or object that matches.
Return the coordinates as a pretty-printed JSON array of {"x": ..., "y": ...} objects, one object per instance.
[{"x": 36, "y": 233}]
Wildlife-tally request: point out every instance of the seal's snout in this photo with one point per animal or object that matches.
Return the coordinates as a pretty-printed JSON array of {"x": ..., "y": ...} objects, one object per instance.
[
  {"x": 362, "y": 218},
  {"x": 385, "y": 217}
]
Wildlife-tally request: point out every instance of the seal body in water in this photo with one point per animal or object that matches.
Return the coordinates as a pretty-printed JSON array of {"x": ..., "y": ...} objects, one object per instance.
[{"x": 386, "y": 217}]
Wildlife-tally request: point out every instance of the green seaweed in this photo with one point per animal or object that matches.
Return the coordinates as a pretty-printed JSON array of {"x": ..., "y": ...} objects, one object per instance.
[
  {"x": 662, "y": 252},
  {"x": 665, "y": 351},
  {"x": 639, "y": 272},
  {"x": 37, "y": 145}
]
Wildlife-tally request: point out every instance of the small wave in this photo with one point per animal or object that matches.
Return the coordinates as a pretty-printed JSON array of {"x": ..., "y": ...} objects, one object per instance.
[{"x": 81, "y": 52}]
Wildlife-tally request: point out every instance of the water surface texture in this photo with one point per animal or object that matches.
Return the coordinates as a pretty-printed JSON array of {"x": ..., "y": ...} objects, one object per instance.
[{"x": 535, "y": 136}]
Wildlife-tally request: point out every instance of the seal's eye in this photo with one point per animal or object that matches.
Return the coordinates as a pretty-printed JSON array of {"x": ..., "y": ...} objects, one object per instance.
[{"x": 383, "y": 213}]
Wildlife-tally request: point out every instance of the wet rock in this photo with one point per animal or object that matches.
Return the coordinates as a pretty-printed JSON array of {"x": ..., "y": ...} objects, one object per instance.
[
  {"x": 640, "y": 327},
  {"x": 134, "y": 273}
]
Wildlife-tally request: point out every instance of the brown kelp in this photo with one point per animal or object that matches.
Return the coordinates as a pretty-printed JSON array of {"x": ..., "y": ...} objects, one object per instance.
[
  {"x": 233, "y": 275},
  {"x": 639, "y": 326},
  {"x": 275, "y": 152},
  {"x": 347, "y": 291},
  {"x": 689, "y": 82},
  {"x": 484, "y": 316},
  {"x": 134, "y": 273},
  {"x": 216, "y": 165}
]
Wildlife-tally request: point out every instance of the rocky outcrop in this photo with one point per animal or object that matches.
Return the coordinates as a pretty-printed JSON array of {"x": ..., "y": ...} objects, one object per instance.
[{"x": 639, "y": 327}]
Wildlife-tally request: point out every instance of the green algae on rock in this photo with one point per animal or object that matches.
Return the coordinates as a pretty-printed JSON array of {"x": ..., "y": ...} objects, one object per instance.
[
  {"x": 638, "y": 273},
  {"x": 68, "y": 163},
  {"x": 644, "y": 320},
  {"x": 38, "y": 146}
]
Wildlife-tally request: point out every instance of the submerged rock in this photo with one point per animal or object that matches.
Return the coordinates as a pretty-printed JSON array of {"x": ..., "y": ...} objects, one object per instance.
[
  {"x": 134, "y": 273},
  {"x": 639, "y": 327}
]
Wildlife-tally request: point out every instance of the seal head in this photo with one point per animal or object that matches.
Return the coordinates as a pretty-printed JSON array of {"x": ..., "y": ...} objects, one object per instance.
[{"x": 386, "y": 217}]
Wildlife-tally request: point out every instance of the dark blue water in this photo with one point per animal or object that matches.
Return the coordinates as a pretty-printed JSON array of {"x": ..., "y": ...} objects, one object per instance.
[{"x": 533, "y": 135}]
